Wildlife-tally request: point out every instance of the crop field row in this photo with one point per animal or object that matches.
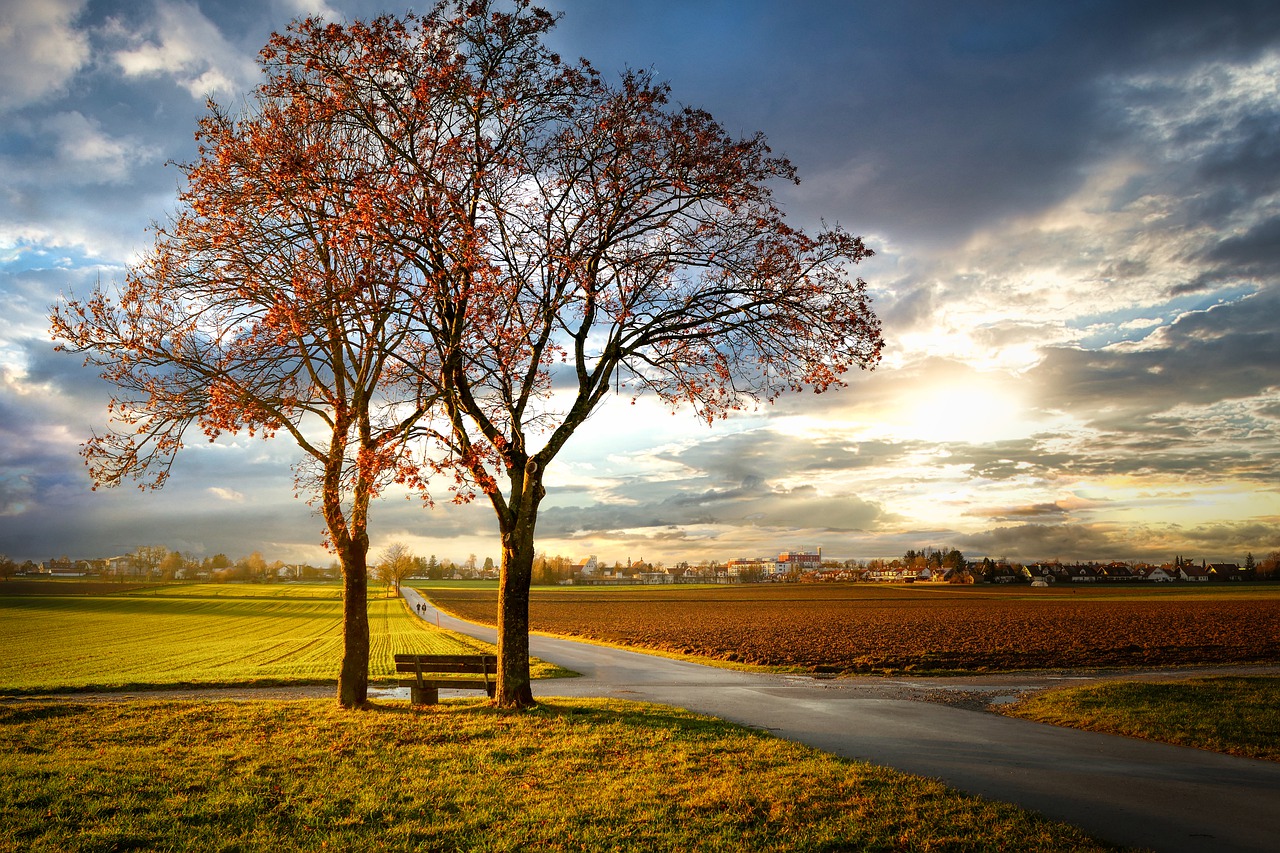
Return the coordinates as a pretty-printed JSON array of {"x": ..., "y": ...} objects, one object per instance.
[
  {"x": 205, "y": 634},
  {"x": 865, "y": 628}
]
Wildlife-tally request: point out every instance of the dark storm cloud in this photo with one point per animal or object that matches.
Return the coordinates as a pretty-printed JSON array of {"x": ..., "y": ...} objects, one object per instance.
[
  {"x": 1229, "y": 352},
  {"x": 733, "y": 481},
  {"x": 65, "y": 374},
  {"x": 1258, "y": 250},
  {"x": 750, "y": 507},
  {"x": 194, "y": 528},
  {"x": 605, "y": 517},
  {"x": 769, "y": 455},
  {"x": 1232, "y": 539},
  {"x": 997, "y": 90},
  {"x": 1103, "y": 543},
  {"x": 1030, "y": 542},
  {"x": 1156, "y": 447},
  {"x": 980, "y": 111},
  {"x": 47, "y": 507},
  {"x": 912, "y": 304},
  {"x": 1045, "y": 511},
  {"x": 44, "y": 414},
  {"x": 1246, "y": 165}
]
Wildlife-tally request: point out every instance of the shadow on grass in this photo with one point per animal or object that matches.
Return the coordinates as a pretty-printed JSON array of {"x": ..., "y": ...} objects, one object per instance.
[
  {"x": 192, "y": 690},
  {"x": 30, "y": 712},
  {"x": 579, "y": 711}
]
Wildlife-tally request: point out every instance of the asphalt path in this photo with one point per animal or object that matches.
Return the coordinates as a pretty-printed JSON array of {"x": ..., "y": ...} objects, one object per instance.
[{"x": 1126, "y": 791}]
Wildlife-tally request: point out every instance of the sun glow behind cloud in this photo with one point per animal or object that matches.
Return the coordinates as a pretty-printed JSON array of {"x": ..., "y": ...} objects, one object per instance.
[{"x": 982, "y": 409}]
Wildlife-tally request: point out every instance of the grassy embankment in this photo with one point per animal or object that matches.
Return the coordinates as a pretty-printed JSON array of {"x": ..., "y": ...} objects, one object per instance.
[
  {"x": 570, "y": 775},
  {"x": 1236, "y": 715},
  {"x": 205, "y": 634}
]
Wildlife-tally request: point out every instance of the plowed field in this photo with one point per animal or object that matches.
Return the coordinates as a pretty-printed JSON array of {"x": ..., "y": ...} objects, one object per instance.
[{"x": 865, "y": 628}]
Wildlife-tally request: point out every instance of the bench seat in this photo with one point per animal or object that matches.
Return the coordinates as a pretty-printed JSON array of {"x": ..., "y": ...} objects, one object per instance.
[{"x": 427, "y": 671}]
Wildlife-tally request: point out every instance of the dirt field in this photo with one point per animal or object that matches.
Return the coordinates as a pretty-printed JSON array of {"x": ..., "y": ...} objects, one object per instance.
[{"x": 869, "y": 628}]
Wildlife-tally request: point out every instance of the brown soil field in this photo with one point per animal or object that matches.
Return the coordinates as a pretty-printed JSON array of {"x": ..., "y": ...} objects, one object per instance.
[{"x": 858, "y": 628}]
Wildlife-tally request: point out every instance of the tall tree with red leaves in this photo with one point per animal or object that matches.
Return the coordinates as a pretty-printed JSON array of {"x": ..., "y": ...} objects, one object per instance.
[
  {"x": 576, "y": 238},
  {"x": 267, "y": 305},
  {"x": 547, "y": 239}
]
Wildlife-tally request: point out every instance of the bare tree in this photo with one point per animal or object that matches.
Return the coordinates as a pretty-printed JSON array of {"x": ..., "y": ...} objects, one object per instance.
[{"x": 395, "y": 563}]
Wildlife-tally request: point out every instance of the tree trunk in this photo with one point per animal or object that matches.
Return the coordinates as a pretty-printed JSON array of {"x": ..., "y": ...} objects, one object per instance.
[
  {"x": 514, "y": 688},
  {"x": 353, "y": 678}
]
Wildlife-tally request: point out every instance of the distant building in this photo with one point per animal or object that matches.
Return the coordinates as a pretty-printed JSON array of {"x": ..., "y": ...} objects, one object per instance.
[
  {"x": 802, "y": 561},
  {"x": 123, "y": 565},
  {"x": 1230, "y": 572},
  {"x": 65, "y": 568},
  {"x": 1193, "y": 574}
]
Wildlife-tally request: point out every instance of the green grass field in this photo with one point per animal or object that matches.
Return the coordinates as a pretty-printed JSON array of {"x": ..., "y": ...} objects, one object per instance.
[
  {"x": 1236, "y": 715},
  {"x": 207, "y": 634},
  {"x": 590, "y": 775}
]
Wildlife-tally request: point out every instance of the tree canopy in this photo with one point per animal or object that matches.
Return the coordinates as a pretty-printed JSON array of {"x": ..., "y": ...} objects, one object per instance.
[
  {"x": 575, "y": 238},
  {"x": 266, "y": 305},
  {"x": 435, "y": 228}
]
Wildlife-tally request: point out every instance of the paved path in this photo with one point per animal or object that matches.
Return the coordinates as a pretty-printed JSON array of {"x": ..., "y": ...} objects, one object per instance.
[{"x": 1126, "y": 791}]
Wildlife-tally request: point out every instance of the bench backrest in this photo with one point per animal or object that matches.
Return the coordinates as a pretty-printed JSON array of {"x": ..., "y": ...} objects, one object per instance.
[{"x": 478, "y": 664}]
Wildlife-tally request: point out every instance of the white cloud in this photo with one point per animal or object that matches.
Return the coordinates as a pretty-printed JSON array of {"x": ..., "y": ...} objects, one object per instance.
[
  {"x": 1211, "y": 100},
  {"x": 1138, "y": 323},
  {"x": 303, "y": 8},
  {"x": 39, "y": 49},
  {"x": 186, "y": 46},
  {"x": 86, "y": 154},
  {"x": 226, "y": 494}
]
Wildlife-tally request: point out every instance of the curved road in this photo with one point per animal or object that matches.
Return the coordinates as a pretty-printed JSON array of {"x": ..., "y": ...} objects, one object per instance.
[{"x": 1126, "y": 791}]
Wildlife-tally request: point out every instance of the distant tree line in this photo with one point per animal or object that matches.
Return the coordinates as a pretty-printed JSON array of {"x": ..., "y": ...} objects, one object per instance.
[{"x": 158, "y": 562}]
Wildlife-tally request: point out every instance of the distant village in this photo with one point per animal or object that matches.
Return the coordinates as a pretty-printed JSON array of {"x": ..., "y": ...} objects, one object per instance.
[
  {"x": 927, "y": 566},
  {"x": 921, "y": 567}
]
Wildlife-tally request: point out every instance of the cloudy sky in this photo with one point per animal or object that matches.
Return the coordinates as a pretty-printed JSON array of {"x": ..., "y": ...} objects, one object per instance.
[{"x": 1076, "y": 213}]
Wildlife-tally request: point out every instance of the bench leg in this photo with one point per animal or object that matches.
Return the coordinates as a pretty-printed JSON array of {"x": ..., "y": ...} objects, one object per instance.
[
  {"x": 491, "y": 688},
  {"x": 424, "y": 695}
]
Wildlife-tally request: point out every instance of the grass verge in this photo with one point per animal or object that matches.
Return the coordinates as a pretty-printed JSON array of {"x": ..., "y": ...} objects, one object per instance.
[
  {"x": 1232, "y": 714},
  {"x": 570, "y": 775}
]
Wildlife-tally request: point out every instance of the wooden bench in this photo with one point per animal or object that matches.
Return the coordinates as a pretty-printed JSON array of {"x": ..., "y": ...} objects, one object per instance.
[{"x": 425, "y": 685}]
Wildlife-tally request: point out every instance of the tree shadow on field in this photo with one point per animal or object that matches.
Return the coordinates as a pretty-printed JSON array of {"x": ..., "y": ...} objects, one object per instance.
[
  {"x": 577, "y": 711},
  {"x": 24, "y": 713}
]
